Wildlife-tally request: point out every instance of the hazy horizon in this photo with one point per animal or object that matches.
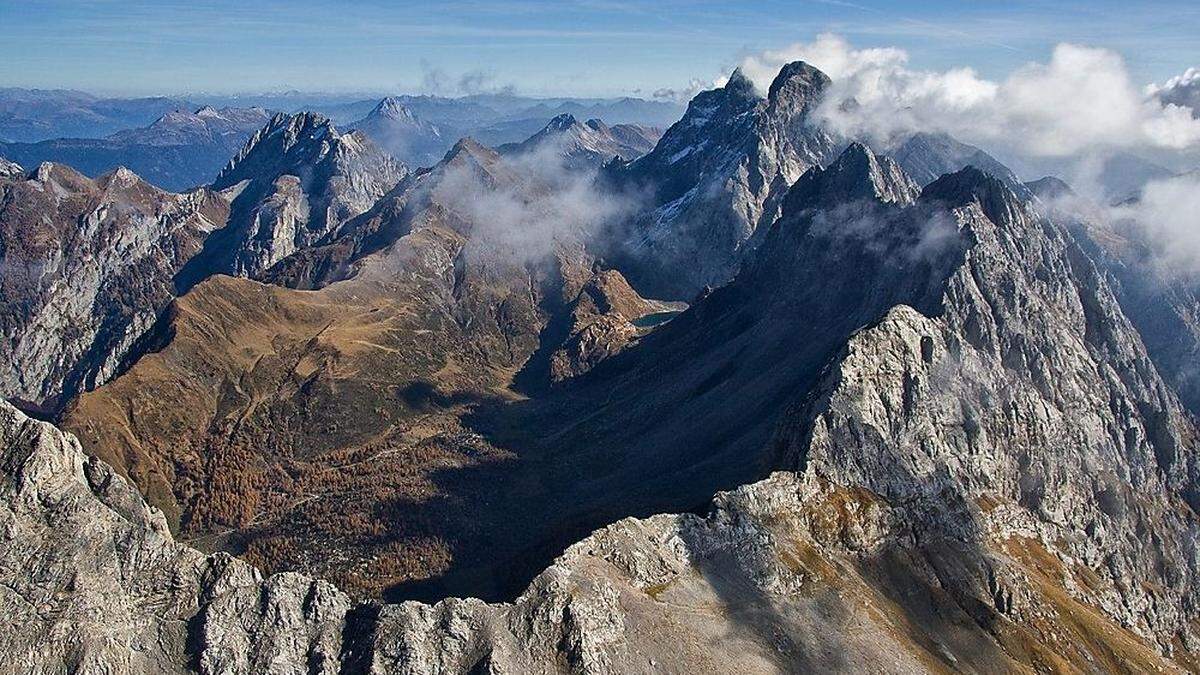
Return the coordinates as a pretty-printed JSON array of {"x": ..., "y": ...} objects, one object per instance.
[{"x": 590, "y": 48}]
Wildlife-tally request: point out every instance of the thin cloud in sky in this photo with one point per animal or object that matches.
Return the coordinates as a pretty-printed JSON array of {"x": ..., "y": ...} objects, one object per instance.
[{"x": 598, "y": 47}]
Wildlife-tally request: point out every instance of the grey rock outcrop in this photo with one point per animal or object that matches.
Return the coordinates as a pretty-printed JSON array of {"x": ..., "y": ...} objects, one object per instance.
[
  {"x": 10, "y": 169},
  {"x": 791, "y": 573},
  {"x": 92, "y": 581},
  {"x": 1024, "y": 404}
]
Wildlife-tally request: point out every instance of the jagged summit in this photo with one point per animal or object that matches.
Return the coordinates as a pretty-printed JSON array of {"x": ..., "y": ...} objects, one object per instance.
[
  {"x": 56, "y": 172},
  {"x": 798, "y": 78},
  {"x": 586, "y": 145},
  {"x": 738, "y": 86},
  {"x": 561, "y": 122},
  {"x": 468, "y": 147},
  {"x": 999, "y": 202},
  {"x": 124, "y": 178},
  {"x": 857, "y": 174},
  {"x": 392, "y": 108},
  {"x": 300, "y": 178},
  {"x": 394, "y": 126},
  {"x": 736, "y": 96},
  {"x": 273, "y": 144},
  {"x": 718, "y": 177}
]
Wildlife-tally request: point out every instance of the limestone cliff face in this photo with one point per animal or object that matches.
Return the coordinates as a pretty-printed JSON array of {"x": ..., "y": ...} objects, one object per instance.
[
  {"x": 87, "y": 266},
  {"x": 92, "y": 581},
  {"x": 1022, "y": 404}
]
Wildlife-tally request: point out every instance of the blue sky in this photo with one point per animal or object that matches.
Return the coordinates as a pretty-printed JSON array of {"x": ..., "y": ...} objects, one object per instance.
[{"x": 590, "y": 47}]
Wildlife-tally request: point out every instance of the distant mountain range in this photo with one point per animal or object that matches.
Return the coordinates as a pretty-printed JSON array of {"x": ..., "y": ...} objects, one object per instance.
[
  {"x": 407, "y": 137},
  {"x": 178, "y": 151},
  {"x": 30, "y": 115},
  {"x": 178, "y": 143}
]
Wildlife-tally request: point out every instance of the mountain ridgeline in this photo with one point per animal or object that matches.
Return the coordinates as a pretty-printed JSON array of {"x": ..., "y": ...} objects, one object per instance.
[
  {"x": 179, "y": 151},
  {"x": 746, "y": 395}
]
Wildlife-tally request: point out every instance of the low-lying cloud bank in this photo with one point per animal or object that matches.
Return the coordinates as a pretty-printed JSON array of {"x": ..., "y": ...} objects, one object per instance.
[
  {"x": 1082, "y": 101},
  {"x": 545, "y": 204}
]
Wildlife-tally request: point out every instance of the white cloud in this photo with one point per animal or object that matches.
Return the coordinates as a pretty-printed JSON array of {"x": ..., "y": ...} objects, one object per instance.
[
  {"x": 1082, "y": 101},
  {"x": 540, "y": 203},
  {"x": 688, "y": 91},
  {"x": 1168, "y": 212}
]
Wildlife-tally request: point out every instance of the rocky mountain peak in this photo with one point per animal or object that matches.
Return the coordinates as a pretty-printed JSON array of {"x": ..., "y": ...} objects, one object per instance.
[
  {"x": 1050, "y": 187},
  {"x": 469, "y": 148},
  {"x": 857, "y": 174},
  {"x": 597, "y": 124},
  {"x": 719, "y": 176},
  {"x": 207, "y": 111},
  {"x": 961, "y": 188},
  {"x": 799, "y": 85},
  {"x": 394, "y": 126},
  {"x": 121, "y": 178},
  {"x": 300, "y": 179},
  {"x": 739, "y": 86},
  {"x": 284, "y": 140},
  {"x": 712, "y": 107},
  {"x": 586, "y": 145},
  {"x": 561, "y": 122},
  {"x": 391, "y": 108},
  {"x": 50, "y": 174},
  {"x": 929, "y": 156}
]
